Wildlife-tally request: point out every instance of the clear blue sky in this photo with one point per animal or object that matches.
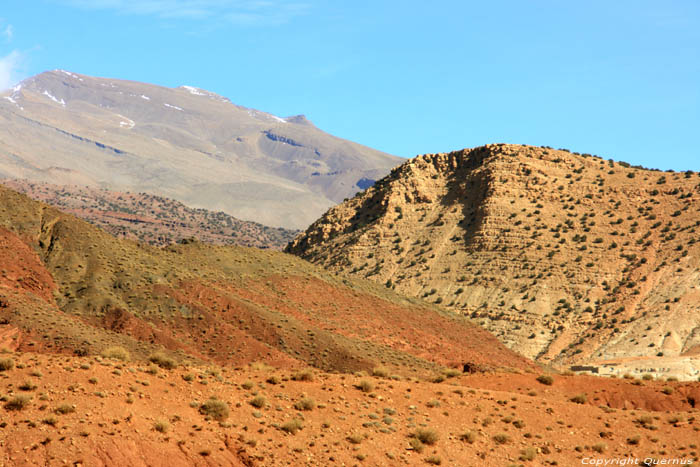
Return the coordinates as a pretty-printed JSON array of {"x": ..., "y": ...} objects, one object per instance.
[{"x": 619, "y": 78}]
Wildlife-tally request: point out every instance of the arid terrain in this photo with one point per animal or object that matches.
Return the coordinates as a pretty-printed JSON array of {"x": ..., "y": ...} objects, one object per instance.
[
  {"x": 67, "y": 286},
  {"x": 152, "y": 219},
  {"x": 568, "y": 258},
  {"x": 117, "y": 352},
  {"x": 183, "y": 143},
  {"x": 63, "y": 410}
]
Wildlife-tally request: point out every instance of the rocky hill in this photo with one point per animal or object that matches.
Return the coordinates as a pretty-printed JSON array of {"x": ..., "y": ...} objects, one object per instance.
[
  {"x": 114, "y": 352},
  {"x": 152, "y": 219},
  {"x": 183, "y": 143},
  {"x": 69, "y": 287},
  {"x": 568, "y": 258}
]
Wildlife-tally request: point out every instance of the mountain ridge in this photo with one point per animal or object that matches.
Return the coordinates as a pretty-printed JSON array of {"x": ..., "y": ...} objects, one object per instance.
[
  {"x": 183, "y": 143},
  {"x": 568, "y": 258}
]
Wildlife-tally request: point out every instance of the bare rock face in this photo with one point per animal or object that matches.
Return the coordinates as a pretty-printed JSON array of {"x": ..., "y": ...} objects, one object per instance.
[
  {"x": 567, "y": 258},
  {"x": 183, "y": 143}
]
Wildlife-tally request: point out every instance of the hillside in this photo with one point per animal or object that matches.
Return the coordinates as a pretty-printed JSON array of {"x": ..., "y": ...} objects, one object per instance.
[
  {"x": 152, "y": 219},
  {"x": 101, "y": 411},
  {"x": 183, "y": 143},
  {"x": 68, "y": 287},
  {"x": 570, "y": 259},
  {"x": 114, "y": 352}
]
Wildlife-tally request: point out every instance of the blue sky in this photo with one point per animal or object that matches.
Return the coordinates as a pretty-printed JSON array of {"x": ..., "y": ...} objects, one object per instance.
[{"x": 620, "y": 79}]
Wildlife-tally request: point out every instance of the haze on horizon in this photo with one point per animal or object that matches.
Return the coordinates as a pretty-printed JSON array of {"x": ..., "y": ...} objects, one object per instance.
[{"x": 617, "y": 80}]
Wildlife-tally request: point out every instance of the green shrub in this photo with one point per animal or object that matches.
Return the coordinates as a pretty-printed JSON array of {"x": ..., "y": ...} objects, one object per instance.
[
  {"x": 545, "y": 379},
  {"x": 50, "y": 420},
  {"x": 17, "y": 403},
  {"x": 416, "y": 445},
  {"x": 6, "y": 364},
  {"x": 27, "y": 386},
  {"x": 64, "y": 409},
  {"x": 305, "y": 404},
  {"x": 426, "y": 435},
  {"x": 116, "y": 353},
  {"x": 161, "y": 426},
  {"x": 216, "y": 409},
  {"x": 162, "y": 360},
  {"x": 303, "y": 375},
  {"x": 258, "y": 402},
  {"x": 292, "y": 426},
  {"x": 365, "y": 386},
  {"x": 528, "y": 454},
  {"x": 274, "y": 380}
]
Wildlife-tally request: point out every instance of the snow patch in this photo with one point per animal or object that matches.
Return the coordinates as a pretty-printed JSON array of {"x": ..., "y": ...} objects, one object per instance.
[
  {"x": 10, "y": 98},
  {"x": 195, "y": 91},
  {"x": 265, "y": 116},
  {"x": 173, "y": 107},
  {"x": 145, "y": 97},
  {"x": 202, "y": 92},
  {"x": 15, "y": 95},
  {"x": 126, "y": 123},
  {"x": 53, "y": 98},
  {"x": 72, "y": 75}
]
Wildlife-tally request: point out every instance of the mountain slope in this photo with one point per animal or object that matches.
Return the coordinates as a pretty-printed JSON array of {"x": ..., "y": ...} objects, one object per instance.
[
  {"x": 566, "y": 258},
  {"x": 66, "y": 286},
  {"x": 183, "y": 143},
  {"x": 153, "y": 219}
]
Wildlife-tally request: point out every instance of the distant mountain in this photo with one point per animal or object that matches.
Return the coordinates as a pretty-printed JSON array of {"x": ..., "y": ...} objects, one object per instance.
[
  {"x": 569, "y": 259},
  {"x": 153, "y": 219},
  {"x": 183, "y": 143}
]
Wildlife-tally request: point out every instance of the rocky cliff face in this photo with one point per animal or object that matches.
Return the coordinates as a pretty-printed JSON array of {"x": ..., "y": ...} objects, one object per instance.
[{"x": 565, "y": 257}]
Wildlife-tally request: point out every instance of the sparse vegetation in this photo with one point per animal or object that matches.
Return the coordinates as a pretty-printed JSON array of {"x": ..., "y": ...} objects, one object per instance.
[
  {"x": 17, "y": 403},
  {"x": 116, "y": 353},
  {"x": 545, "y": 379},
  {"x": 65, "y": 409},
  {"x": 292, "y": 426},
  {"x": 365, "y": 386},
  {"x": 162, "y": 360},
  {"x": 426, "y": 435},
  {"x": 215, "y": 409},
  {"x": 161, "y": 426},
  {"x": 6, "y": 364},
  {"x": 501, "y": 438},
  {"x": 303, "y": 375},
  {"x": 258, "y": 402},
  {"x": 305, "y": 404}
]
